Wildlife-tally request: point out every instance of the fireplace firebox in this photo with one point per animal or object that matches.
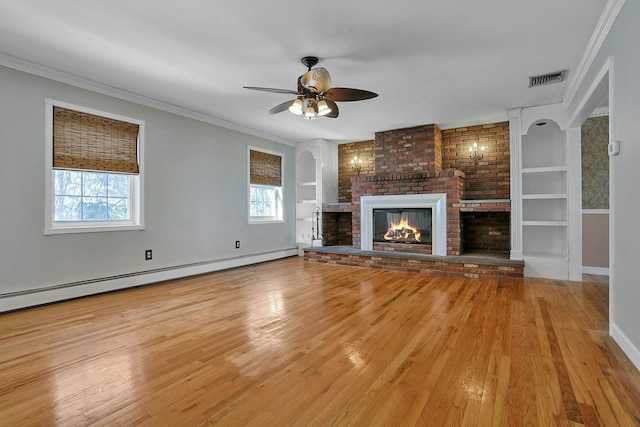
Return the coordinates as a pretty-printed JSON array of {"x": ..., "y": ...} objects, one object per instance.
[{"x": 402, "y": 225}]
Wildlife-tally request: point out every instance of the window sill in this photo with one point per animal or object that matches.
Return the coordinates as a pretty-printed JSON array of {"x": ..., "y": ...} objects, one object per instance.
[
  {"x": 91, "y": 229},
  {"x": 266, "y": 221}
]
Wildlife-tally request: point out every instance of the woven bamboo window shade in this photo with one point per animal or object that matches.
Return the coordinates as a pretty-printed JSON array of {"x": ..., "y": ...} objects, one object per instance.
[
  {"x": 265, "y": 169},
  {"x": 88, "y": 142}
]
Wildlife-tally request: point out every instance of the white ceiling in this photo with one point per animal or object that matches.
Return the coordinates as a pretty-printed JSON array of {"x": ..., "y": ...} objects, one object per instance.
[{"x": 449, "y": 62}]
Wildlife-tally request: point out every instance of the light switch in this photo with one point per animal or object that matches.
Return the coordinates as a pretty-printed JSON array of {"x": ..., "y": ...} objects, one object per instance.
[{"x": 614, "y": 148}]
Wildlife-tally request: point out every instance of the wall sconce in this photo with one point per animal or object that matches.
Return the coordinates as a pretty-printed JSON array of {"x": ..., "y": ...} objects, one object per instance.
[
  {"x": 356, "y": 165},
  {"x": 474, "y": 155}
]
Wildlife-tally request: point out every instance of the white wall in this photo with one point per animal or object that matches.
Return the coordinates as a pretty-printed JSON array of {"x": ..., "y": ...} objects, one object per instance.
[
  {"x": 195, "y": 199},
  {"x": 621, "y": 45}
]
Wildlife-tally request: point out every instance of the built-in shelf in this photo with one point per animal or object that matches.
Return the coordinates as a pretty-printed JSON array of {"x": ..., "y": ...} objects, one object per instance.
[
  {"x": 545, "y": 169},
  {"x": 545, "y": 223},
  {"x": 316, "y": 183},
  {"x": 543, "y": 196},
  {"x": 545, "y": 255}
]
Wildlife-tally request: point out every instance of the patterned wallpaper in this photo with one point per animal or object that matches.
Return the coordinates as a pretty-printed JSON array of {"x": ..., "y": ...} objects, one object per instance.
[{"x": 595, "y": 163}]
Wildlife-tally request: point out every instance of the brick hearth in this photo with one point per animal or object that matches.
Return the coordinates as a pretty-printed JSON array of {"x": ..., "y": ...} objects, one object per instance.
[{"x": 475, "y": 267}]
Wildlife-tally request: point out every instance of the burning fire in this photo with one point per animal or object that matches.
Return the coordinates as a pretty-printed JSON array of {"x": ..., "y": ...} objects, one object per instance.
[{"x": 402, "y": 231}]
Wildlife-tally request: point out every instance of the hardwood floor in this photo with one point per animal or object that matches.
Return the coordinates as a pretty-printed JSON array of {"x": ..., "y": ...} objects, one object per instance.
[{"x": 296, "y": 343}]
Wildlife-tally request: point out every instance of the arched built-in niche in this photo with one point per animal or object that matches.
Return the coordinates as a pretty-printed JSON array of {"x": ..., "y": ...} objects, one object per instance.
[{"x": 544, "y": 200}]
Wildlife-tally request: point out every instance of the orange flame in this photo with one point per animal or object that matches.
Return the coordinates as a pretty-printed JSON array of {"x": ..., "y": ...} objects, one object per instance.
[{"x": 402, "y": 231}]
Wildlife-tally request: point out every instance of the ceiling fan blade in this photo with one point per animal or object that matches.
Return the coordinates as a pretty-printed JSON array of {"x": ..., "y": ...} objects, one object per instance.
[
  {"x": 334, "y": 109},
  {"x": 270, "y": 89},
  {"x": 343, "y": 94},
  {"x": 316, "y": 79},
  {"x": 281, "y": 107}
]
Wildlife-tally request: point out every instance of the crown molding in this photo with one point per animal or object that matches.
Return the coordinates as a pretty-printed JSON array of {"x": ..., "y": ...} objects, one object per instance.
[
  {"x": 599, "y": 112},
  {"x": 94, "y": 86},
  {"x": 608, "y": 17}
]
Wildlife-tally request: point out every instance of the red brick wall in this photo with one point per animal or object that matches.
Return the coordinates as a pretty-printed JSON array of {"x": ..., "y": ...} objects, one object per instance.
[
  {"x": 422, "y": 151},
  {"x": 346, "y": 152},
  {"x": 413, "y": 149},
  {"x": 450, "y": 149},
  {"x": 490, "y": 180},
  {"x": 438, "y": 266},
  {"x": 449, "y": 181},
  {"x": 406, "y": 248}
]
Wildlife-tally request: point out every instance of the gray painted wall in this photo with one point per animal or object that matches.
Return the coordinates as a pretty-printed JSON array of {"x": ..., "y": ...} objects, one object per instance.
[
  {"x": 622, "y": 45},
  {"x": 195, "y": 194}
]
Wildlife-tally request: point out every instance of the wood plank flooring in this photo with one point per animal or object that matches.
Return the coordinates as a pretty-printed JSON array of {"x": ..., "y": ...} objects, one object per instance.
[{"x": 296, "y": 343}]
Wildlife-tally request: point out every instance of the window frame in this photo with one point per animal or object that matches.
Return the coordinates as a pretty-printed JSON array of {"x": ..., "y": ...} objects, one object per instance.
[
  {"x": 265, "y": 220},
  {"x": 136, "y": 182}
]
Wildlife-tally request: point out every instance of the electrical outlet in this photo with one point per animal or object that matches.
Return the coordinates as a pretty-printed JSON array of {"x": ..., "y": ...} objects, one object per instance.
[
  {"x": 237, "y": 244},
  {"x": 148, "y": 254}
]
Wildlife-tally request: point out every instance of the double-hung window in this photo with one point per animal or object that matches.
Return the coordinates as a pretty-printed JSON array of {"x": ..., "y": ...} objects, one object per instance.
[
  {"x": 265, "y": 186},
  {"x": 93, "y": 176}
]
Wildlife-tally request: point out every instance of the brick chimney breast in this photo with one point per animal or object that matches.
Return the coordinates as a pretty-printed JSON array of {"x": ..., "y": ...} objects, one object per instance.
[{"x": 417, "y": 149}]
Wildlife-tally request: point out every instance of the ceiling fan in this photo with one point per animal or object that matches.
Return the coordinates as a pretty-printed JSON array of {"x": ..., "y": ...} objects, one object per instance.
[{"x": 315, "y": 96}]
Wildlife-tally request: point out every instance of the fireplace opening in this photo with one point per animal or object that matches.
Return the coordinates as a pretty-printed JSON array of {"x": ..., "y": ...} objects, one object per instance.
[{"x": 402, "y": 225}]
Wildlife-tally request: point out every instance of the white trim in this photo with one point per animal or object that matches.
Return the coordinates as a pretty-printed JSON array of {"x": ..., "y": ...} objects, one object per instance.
[
  {"x": 573, "y": 141},
  {"x": 602, "y": 82},
  {"x": 632, "y": 352},
  {"x": 599, "y": 271},
  {"x": 595, "y": 211},
  {"x": 436, "y": 201},
  {"x": 599, "y": 112},
  {"x": 515, "y": 150},
  {"x": 593, "y": 96},
  {"x": 607, "y": 18},
  {"x": 253, "y": 221},
  {"x": 612, "y": 212},
  {"x": 136, "y": 183},
  {"x": 81, "y": 82},
  {"x": 34, "y": 297}
]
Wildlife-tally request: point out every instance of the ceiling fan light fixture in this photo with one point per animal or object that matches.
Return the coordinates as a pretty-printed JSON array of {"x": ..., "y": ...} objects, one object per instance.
[
  {"x": 296, "y": 107},
  {"x": 310, "y": 113},
  {"x": 311, "y": 110},
  {"x": 323, "y": 108},
  {"x": 314, "y": 94}
]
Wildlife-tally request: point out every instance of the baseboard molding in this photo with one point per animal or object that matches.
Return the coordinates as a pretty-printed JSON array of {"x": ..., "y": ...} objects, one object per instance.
[
  {"x": 600, "y": 271},
  {"x": 33, "y": 297},
  {"x": 632, "y": 352}
]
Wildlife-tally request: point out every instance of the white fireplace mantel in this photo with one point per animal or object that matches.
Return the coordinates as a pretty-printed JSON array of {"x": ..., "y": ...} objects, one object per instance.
[{"x": 436, "y": 201}]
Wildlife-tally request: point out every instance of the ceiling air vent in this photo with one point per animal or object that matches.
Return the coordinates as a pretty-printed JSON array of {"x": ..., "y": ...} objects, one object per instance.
[{"x": 547, "y": 79}]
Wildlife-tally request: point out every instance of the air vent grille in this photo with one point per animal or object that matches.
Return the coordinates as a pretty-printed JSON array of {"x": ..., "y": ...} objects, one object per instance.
[{"x": 547, "y": 79}]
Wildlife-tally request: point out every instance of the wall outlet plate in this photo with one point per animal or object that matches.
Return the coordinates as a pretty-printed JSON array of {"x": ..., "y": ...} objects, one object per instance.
[
  {"x": 237, "y": 244},
  {"x": 148, "y": 254}
]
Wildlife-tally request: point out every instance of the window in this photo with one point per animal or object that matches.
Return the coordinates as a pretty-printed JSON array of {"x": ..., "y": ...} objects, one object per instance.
[
  {"x": 90, "y": 196},
  {"x": 93, "y": 170},
  {"x": 265, "y": 186}
]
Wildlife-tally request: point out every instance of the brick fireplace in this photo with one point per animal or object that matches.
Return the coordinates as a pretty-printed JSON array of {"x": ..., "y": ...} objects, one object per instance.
[
  {"x": 450, "y": 183},
  {"x": 424, "y": 160},
  {"x": 408, "y": 162}
]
